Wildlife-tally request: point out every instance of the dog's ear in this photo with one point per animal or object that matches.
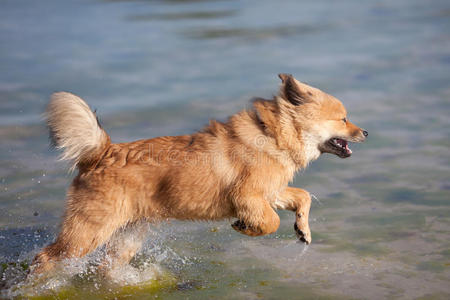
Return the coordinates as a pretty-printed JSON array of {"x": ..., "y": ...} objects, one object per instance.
[{"x": 293, "y": 91}]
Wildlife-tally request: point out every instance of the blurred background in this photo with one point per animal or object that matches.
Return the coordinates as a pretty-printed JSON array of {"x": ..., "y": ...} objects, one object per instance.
[{"x": 380, "y": 224}]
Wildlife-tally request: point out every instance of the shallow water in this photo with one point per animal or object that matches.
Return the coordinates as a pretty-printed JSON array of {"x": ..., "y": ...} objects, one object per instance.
[{"x": 381, "y": 224}]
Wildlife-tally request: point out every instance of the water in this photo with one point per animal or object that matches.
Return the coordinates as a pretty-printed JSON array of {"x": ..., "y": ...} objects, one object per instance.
[{"x": 156, "y": 68}]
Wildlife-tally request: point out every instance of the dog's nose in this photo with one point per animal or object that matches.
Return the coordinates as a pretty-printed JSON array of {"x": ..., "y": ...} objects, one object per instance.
[{"x": 365, "y": 133}]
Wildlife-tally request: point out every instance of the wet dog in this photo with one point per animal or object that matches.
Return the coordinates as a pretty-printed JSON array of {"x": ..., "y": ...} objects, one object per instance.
[{"x": 234, "y": 169}]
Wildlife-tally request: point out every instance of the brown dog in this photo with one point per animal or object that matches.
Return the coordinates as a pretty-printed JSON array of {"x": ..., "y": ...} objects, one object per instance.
[{"x": 237, "y": 169}]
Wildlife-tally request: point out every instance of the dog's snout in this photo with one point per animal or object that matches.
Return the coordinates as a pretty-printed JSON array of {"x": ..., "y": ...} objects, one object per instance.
[{"x": 365, "y": 133}]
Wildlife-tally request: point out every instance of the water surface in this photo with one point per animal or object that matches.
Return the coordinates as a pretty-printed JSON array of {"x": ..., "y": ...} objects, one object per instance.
[{"x": 381, "y": 224}]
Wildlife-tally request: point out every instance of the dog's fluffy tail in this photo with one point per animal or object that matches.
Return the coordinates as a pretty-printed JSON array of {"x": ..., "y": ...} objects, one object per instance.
[{"x": 75, "y": 129}]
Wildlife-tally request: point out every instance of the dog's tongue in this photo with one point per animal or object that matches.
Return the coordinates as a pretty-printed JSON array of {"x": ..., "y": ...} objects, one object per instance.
[
  {"x": 349, "y": 151},
  {"x": 345, "y": 146}
]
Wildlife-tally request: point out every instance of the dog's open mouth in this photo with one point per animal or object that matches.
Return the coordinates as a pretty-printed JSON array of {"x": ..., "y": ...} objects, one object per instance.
[{"x": 337, "y": 146}]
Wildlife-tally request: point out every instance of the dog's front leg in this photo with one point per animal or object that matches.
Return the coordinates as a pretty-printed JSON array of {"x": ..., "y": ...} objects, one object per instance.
[
  {"x": 256, "y": 217},
  {"x": 297, "y": 200}
]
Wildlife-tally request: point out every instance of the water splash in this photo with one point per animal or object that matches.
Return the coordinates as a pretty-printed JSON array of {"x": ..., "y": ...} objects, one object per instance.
[
  {"x": 82, "y": 277},
  {"x": 317, "y": 199},
  {"x": 292, "y": 247}
]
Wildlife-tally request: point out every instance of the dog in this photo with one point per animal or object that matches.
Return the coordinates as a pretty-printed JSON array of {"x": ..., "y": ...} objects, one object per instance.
[{"x": 239, "y": 168}]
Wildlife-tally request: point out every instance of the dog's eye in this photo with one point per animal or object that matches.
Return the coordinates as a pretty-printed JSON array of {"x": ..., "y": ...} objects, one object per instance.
[{"x": 344, "y": 120}]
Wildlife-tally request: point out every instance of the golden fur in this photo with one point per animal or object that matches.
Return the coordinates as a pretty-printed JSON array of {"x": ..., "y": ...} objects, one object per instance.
[{"x": 236, "y": 169}]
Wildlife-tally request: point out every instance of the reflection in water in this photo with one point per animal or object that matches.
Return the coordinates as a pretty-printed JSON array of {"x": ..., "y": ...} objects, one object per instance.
[
  {"x": 250, "y": 33},
  {"x": 182, "y": 16},
  {"x": 152, "y": 68}
]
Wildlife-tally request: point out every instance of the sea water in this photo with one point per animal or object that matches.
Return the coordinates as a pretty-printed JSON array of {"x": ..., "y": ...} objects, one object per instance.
[{"x": 152, "y": 68}]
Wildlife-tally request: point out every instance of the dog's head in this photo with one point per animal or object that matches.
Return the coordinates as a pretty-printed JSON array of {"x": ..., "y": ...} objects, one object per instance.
[{"x": 320, "y": 117}]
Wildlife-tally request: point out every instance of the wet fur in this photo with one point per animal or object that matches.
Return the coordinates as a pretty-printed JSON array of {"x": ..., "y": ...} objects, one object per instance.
[{"x": 234, "y": 169}]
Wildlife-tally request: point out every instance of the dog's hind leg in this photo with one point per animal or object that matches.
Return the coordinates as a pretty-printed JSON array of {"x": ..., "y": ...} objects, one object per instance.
[
  {"x": 124, "y": 244},
  {"x": 83, "y": 230},
  {"x": 297, "y": 200}
]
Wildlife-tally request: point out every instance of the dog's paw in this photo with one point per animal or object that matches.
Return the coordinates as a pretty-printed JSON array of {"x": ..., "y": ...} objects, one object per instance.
[
  {"x": 305, "y": 237},
  {"x": 239, "y": 225},
  {"x": 243, "y": 228}
]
